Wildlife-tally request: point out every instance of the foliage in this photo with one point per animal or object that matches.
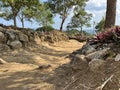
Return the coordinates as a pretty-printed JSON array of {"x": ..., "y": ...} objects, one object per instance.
[
  {"x": 108, "y": 36},
  {"x": 43, "y": 15},
  {"x": 72, "y": 32},
  {"x": 100, "y": 25},
  {"x": 45, "y": 29},
  {"x": 64, "y": 7},
  {"x": 80, "y": 19},
  {"x": 11, "y": 8},
  {"x": 75, "y": 32}
]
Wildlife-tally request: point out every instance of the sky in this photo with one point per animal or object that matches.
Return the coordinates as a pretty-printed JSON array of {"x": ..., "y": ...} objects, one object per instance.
[{"x": 96, "y": 7}]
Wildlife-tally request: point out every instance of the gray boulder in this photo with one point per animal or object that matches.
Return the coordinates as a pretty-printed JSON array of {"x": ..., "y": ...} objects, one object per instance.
[
  {"x": 4, "y": 47},
  {"x": 86, "y": 49},
  {"x": 80, "y": 57},
  {"x": 1, "y": 29},
  {"x": 11, "y": 35},
  {"x": 95, "y": 64},
  {"x": 23, "y": 37},
  {"x": 2, "y": 37},
  {"x": 79, "y": 62},
  {"x": 117, "y": 58},
  {"x": 15, "y": 44},
  {"x": 97, "y": 55}
]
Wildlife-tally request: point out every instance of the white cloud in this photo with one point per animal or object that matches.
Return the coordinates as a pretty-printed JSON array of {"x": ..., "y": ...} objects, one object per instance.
[
  {"x": 98, "y": 9},
  {"x": 97, "y": 3},
  {"x": 118, "y": 9}
]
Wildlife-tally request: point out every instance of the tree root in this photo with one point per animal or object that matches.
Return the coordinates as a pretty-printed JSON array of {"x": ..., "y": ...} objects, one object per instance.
[{"x": 104, "y": 83}]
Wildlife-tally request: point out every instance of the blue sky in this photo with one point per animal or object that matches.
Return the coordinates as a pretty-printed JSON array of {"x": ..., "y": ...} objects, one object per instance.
[{"x": 96, "y": 7}]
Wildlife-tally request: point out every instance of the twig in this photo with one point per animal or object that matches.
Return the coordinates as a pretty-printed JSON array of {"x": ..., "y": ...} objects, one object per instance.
[
  {"x": 77, "y": 86},
  {"x": 89, "y": 88},
  {"x": 104, "y": 83}
]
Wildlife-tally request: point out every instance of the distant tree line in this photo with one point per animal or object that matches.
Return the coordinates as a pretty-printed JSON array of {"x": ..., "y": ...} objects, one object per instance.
[{"x": 43, "y": 12}]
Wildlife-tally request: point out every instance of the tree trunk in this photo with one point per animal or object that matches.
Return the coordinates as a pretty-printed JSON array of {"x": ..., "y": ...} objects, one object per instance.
[
  {"x": 61, "y": 27},
  {"x": 22, "y": 23},
  {"x": 15, "y": 21},
  {"x": 81, "y": 30},
  {"x": 14, "y": 16},
  {"x": 110, "y": 13}
]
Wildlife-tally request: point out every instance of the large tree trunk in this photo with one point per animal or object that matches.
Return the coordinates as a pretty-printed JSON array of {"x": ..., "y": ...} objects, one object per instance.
[{"x": 110, "y": 13}]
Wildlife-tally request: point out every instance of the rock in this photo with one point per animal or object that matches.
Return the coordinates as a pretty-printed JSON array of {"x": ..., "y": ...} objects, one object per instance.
[
  {"x": 4, "y": 47},
  {"x": 16, "y": 44},
  {"x": 44, "y": 66},
  {"x": 1, "y": 29},
  {"x": 2, "y": 36},
  {"x": 117, "y": 58},
  {"x": 79, "y": 62},
  {"x": 8, "y": 42},
  {"x": 2, "y": 61},
  {"x": 23, "y": 37},
  {"x": 95, "y": 64},
  {"x": 11, "y": 35},
  {"x": 55, "y": 36},
  {"x": 86, "y": 49},
  {"x": 97, "y": 55},
  {"x": 80, "y": 57}
]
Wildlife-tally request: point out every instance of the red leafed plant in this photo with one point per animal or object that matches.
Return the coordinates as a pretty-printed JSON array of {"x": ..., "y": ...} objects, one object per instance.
[{"x": 109, "y": 35}]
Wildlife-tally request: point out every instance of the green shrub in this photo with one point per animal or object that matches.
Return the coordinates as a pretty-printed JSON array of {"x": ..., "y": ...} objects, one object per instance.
[{"x": 45, "y": 29}]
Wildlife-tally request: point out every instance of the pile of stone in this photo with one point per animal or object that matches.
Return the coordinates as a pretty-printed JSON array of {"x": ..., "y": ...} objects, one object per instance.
[
  {"x": 15, "y": 39},
  {"x": 53, "y": 36},
  {"x": 90, "y": 68},
  {"x": 95, "y": 66},
  {"x": 98, "y": 50},
  {"x": 79, "y": 38},
  {"x": 93, "y": 57},
  {"x": 10, "y": 38}
]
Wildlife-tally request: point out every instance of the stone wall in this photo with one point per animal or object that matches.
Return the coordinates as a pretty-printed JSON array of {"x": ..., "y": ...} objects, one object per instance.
[{"x": 14, "y": 39}]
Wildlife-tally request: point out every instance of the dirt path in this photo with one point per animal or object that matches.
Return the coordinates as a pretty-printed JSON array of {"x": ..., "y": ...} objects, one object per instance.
[{"x": 27, "y": 69}]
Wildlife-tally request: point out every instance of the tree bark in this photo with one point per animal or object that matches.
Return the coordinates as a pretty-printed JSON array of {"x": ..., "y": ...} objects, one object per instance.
[
  {"x": 81, "y": 29},
  {"x": 61, "y": 27},
  {"x": 22, "y": 21},
  {"x": 15, "y": 25},
  {"x": 110, "y": 14}
]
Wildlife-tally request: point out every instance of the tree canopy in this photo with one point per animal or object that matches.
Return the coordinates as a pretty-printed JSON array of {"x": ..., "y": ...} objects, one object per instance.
[
  {"x": 64, "y": 7},
  {"x": 11, "y": 8},
  {"x": 44, "y": 12},
  {"x": 80, "y": 19}
]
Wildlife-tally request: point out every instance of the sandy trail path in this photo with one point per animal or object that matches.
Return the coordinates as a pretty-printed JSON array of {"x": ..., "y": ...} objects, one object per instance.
[{"x": 21, "y": 73}]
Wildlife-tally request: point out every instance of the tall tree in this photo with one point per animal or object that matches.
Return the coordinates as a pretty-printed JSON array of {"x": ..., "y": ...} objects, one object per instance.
[
  {"x": 110, "y": 13},
  {"x": 13, "y": 7},
  {"x": 64, "y": 7},
  {"x": 80, "y": 19},
  {"x": 26, "y": 14}
]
